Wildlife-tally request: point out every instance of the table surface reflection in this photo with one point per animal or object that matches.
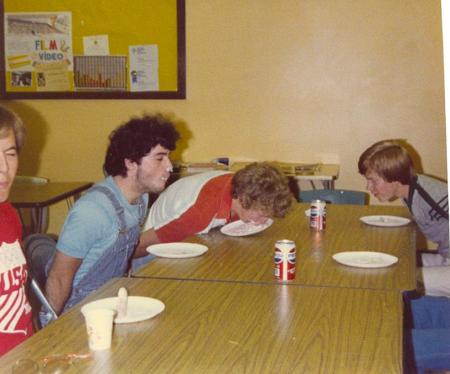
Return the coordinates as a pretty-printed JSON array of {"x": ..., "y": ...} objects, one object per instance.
[
  {"x": 223, "y": 327},
  {"x": 250, "y": 258}
]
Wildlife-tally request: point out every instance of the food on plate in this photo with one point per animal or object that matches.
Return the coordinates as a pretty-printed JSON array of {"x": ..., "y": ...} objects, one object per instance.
[{"x": 122, "y": 303}]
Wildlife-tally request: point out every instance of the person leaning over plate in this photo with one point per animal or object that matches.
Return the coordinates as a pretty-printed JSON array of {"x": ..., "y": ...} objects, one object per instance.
[
  {"x": 388, "y": 169},
  {"x": 197, "y": 203}
]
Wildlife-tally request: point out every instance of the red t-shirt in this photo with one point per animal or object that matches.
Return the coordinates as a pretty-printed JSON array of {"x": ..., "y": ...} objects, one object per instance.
[{"x": 15, "y": 310}]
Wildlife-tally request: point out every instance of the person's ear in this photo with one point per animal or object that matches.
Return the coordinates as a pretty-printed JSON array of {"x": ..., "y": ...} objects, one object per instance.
[{"x": 130, "y": 165}]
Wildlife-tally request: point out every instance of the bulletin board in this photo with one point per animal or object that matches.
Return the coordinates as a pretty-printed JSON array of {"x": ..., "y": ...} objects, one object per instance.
[{"x": 85, "y": 49}]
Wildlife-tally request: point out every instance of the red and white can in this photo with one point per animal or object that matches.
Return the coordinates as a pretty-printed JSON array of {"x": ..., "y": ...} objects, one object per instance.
[
  {"x": 318, "y": 215},
  {"x": 285, "y": 258}
]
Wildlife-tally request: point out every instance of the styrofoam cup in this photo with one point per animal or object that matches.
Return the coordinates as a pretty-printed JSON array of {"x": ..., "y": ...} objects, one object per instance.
[{"x": 99, "y": 326}]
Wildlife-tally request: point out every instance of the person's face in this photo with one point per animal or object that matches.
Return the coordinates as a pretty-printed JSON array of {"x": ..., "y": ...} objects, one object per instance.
[
  {"x": 154, "y": 170},
  {"x": 9, "y": 161},
  {"x": 382, "y": 190},
  {"x": 255, "y": 216}
]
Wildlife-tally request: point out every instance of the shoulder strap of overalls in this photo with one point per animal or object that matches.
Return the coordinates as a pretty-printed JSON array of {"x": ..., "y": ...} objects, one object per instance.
[
  {"x": 117, "y": 207},
  {"x": 416, "y": 186}
]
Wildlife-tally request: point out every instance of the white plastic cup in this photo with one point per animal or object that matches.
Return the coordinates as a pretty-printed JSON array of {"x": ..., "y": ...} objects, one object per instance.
[{"x": 99, "y": 326}]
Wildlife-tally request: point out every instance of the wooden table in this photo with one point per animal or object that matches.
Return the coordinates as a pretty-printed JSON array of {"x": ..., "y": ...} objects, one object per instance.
[
  {"x": 250, "y": 259},
  {"x": 222, "y": 327},
  {"x": 42, "y": 195}
]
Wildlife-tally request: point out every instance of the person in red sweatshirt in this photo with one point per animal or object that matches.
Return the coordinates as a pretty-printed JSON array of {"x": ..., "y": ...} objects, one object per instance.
[{"x": 15, "y": 310}]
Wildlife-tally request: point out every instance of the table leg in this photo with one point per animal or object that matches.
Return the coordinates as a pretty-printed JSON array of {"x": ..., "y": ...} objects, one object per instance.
[{"x": 328, "y": 184}]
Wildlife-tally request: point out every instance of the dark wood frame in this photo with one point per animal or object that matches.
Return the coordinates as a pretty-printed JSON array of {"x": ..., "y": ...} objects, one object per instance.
[{"x": 180, "y": 93}]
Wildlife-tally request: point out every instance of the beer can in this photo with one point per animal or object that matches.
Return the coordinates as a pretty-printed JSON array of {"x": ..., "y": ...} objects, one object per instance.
[
  {"x": 318, "y": 215},
  {"x": 285, "y": 258}
]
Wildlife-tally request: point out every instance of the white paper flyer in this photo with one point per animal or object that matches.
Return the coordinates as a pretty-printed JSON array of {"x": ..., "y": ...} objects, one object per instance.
[{"x": 143, "y": 68}]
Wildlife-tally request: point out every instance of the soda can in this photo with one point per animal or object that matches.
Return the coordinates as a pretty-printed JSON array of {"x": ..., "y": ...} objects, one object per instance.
[
  {"x": 285, "y": 258},
  {"x": 318, "y": 215}
]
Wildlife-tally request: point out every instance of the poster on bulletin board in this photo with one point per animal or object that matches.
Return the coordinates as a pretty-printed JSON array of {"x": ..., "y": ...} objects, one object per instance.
[{"x": 60, "y": 49}]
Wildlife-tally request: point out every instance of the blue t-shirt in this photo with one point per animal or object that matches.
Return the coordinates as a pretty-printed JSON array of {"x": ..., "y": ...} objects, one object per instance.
[{"x": 92, "y": 226}]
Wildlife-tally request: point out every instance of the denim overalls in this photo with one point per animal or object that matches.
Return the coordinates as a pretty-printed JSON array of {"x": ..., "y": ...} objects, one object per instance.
[{"x": 115, "y": 261}]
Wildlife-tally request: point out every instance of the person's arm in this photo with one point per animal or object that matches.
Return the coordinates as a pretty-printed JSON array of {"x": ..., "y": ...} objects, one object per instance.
[
  {"x": 60, "y": 278},
  {"x": 175, "y": 222},
  {"x": 147, "y": 238}
]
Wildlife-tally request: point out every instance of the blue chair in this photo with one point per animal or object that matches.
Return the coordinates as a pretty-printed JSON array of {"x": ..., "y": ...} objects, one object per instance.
[{"x": 334, "y": 196}]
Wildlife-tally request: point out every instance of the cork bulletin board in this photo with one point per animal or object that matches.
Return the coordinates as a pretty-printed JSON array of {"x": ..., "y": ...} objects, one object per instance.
[{"x": 84, "y": 49}]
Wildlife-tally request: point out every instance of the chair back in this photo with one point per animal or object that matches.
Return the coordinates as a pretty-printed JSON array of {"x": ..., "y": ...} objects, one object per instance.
[{"x": 335, "y": 196}]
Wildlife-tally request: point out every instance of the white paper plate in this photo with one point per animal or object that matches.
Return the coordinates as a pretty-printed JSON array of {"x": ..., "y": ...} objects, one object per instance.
[
  {"x": 139, "y": 308},
  {"x": 365, "y": 259},
  {"x": 177, "y": 250},
  {"x": 240, "y": 228},
  {"x": 385, "y": 221}
]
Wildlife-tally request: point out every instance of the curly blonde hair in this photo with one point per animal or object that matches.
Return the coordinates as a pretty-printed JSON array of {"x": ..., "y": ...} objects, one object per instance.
[{"x": 264, "y": 187}]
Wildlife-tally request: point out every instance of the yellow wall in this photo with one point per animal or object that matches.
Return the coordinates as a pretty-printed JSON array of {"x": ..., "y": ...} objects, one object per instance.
[{"x": 291, "y": 80}]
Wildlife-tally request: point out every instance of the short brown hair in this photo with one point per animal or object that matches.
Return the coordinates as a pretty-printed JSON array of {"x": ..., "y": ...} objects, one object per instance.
[
  {"x": 389, "y": 160},
  {"x": 9, "y": 121},
  {"x": 262, "y": 186}
]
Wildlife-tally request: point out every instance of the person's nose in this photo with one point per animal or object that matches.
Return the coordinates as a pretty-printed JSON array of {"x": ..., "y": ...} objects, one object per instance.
[
  {"x": 169, "y": 165},
  {"x": 4, "y": 167}
]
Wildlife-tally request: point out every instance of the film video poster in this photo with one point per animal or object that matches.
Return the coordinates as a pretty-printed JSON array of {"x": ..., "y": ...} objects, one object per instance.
[
  {"x": 38, "y": 51},
  {"x": 100, "y": 72}
]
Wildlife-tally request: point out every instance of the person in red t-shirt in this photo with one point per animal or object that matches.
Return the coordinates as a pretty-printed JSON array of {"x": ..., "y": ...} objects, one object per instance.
[
  {"x": 198, "y": 203},
  {"x": 15, "y": 310}
]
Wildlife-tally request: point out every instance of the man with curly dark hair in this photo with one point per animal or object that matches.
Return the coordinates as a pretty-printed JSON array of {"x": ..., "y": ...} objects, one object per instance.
[
  {"x": 198, "y": 203},
  {"x": 102, "y": 229}
]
